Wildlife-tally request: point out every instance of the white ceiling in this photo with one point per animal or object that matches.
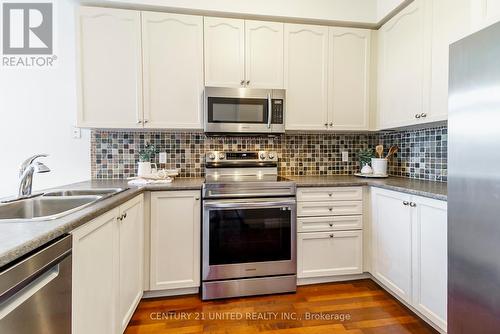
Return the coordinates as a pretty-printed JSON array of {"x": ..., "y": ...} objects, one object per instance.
[{"x": 363, "y": 12}]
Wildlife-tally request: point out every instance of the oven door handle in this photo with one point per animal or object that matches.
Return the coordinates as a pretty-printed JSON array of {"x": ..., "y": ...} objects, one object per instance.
[{"x": 231, "y": 204}]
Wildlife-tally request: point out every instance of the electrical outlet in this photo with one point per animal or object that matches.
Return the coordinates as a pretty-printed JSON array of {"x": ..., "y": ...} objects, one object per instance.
[
  {"x": 345, "y": 156},
  {"x": 163, "y": 157},
  {"x": 77, "y": 133}
]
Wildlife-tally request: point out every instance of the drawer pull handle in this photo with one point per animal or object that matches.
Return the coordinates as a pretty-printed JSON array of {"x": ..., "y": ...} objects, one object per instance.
[
  {"x": 330, "y": 209},
  {"x": 331, "y": 224},
  {"x": 331, "y": 235},
  {"x": 412, "y": 204},
  {"x": 406, "y": 203},
  {"x": 330, "y": 195}
]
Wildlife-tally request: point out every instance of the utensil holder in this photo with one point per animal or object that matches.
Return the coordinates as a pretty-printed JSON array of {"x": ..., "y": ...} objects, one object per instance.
[{"x": 379, "y": 166}]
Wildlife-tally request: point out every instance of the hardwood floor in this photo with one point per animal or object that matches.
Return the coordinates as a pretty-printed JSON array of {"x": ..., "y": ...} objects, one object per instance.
[{"x": 358, "y": 307}]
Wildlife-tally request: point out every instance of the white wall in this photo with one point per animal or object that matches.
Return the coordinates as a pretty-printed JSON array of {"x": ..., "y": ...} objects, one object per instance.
[
  {"x": 38, "y": 111},
  {"x": 329, "y": 10}
]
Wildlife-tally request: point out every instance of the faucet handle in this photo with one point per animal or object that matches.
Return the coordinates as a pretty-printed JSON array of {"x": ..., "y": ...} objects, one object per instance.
[{"x": 29, "y": 161}]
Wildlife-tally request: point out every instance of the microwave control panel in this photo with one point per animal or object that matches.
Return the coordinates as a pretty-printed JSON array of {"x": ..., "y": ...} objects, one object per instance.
[{"x": 277, "y": 112}]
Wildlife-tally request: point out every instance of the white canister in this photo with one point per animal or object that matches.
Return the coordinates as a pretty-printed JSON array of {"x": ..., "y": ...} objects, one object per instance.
[
  {"x": 379, "y": 166},
  {"x": 143, "y": 168}
]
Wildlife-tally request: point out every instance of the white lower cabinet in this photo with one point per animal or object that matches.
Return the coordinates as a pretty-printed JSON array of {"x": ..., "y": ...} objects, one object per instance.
[
  {"x": 409, "y": 250},
  {"x": 392, "y": 241},
  {"x": 329, "y": 253},
  {"x": 107, "y": 270},
  {"x": 430, "y": 259},
  {"x": 130, "y": 259},
  {"x": 330, "y": 236},
  {"x": 175, "y": 240}
]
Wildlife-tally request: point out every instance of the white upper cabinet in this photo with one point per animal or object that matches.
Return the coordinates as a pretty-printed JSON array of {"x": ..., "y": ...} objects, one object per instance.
[
  {"x": 430, "y": 259},
  {"x": 173, "y": 70},
  {"x": 264, "y": 54},
  {"x": 484, "y": 13},
  {"x": 450, "y": 22},
  {"x": 404, "y": 58},
  {"x": 306, "y": 76},
  {"x": 224, "y": 52},
  {"x": 391, "y": 240},
  {"x": 349, "y": 79},
  {"x": 110, "y": 68}
]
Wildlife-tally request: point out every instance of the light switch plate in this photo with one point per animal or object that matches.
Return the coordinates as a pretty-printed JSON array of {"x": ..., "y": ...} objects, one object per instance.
[
  {"x": 345, "y": 156},
  {"x": 77, "y": 133},
  {"x": 163, "y": 157}
]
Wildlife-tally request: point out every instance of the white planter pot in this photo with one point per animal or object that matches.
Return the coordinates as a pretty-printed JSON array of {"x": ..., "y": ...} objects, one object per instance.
[
  {"x": 379, "y": 166},
  {"x": 143, "y": 168}
]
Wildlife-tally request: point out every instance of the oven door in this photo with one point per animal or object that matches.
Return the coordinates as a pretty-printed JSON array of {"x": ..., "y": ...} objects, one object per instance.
[
  {"x": 243, "y": 110},
  {"x": 249, "y": 238}
]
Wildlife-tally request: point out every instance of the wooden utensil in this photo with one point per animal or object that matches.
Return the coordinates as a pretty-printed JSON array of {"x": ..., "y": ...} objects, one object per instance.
[
  {"x": 393, "y": 150},
  {"x": 380, "y": 150}
]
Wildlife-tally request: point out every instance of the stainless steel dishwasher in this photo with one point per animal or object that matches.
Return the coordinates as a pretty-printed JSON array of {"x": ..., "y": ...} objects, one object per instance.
[{"x": 35, "y": 293}]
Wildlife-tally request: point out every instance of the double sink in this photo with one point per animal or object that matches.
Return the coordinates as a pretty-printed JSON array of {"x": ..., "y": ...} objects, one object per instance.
[{"x": 53, "y": 204}]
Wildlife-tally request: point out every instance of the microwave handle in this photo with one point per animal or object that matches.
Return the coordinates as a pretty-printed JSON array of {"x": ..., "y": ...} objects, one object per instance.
[{"x": 269, "y": 110}]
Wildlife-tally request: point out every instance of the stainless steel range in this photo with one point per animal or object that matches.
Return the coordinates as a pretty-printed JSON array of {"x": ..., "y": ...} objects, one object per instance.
[{"x": 249, "y": 226}]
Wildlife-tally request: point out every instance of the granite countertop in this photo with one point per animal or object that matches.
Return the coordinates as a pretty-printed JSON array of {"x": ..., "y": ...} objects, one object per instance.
[
  {"x": 18, "y": 239},
  {"x": 435, "y": 190}
]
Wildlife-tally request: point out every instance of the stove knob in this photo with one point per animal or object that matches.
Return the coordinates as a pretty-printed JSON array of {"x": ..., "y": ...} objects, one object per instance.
[
  {"x": 222, "y": 156},
  {"x": 262, "y": 155},
  {"x": 211, "y": 156},
  {"x": 271, "y": 155}
]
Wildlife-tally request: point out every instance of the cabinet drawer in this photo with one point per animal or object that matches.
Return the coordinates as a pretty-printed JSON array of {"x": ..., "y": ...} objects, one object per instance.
[
  {"x": 336, "y": 223},
  {"x": 343, "y": 208},
  {"x": 330, "y": 194},
  {"x": 329, "y": 254}
]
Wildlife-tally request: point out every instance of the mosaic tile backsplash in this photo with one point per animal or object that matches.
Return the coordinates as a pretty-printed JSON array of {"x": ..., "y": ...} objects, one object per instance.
[{"x": 422, "y": 153}]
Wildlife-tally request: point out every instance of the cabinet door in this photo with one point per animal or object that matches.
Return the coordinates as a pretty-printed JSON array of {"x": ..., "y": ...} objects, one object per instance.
[
  {"x": 484, "y": 13},
  {"x": 131, "y": 255},
  {"x": 349, "y": 79},
  {"x": 450, "y": 22},
  {"x": 264, "y": 54},
  {"x": 175, "y": 240},
  {"x": 306, "y": 76},
  {"x": 391, "y": 241},
  {"x": 224, "y": 52},
  {"x": 110, "y": 68},
  {"x": 95, "y": 255},
  {"x": 173, "y": 70},
  {"x": 430, "y": 259},
  {"x": 403, "y": 65},
  {"x": 329, "y": 254}
]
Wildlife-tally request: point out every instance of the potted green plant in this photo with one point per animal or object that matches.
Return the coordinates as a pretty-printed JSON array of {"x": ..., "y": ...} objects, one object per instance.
[
  {"x": 365, "y": 158},
  {"x": 145, "y": 156}
]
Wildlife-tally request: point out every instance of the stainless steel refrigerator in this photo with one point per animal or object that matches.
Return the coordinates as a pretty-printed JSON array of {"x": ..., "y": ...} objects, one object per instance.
[{"x": 474, "y": 184}]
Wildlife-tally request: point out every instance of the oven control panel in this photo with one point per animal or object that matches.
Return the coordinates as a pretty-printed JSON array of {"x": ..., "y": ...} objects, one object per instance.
[{"x": 235, "y": 157}]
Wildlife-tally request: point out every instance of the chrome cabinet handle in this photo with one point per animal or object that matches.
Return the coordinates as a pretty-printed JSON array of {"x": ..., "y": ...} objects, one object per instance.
[
  {"x": 139, "y": 122},
  {"x": 423, "y": 115},
  {"x": 331, "y": 235},
  {"x": 124, "y": 215},
  {"x": 119, "y": 218},
  {"x": 330, "y": 209},
  {"x": 406, "y": 203},
  {"x": 330, "y": 194},
  {"x": 413, "y": 204},
  {"x": 248, "y": 82},
  {"x": 331, "y": 124},
  {"x": 417, "y": 116},
  {"x": 196, "y": 198},
  {"x": 331, "y": 224},
  {"x": 242, "y": 82},
  {"x": 145, "y": 121}
]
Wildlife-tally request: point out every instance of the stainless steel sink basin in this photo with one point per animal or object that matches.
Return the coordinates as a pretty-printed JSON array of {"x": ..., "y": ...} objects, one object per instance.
[
  {"x": 84, "y": 192},
  {"x": 43, "y": 208}
]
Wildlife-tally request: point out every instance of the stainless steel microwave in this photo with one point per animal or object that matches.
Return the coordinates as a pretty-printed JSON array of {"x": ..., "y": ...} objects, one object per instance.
[{"x": 244, "y": 110}]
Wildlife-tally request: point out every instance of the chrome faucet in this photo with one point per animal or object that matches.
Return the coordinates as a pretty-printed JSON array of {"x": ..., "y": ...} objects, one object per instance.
[{"x": 26, "y": 171}]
